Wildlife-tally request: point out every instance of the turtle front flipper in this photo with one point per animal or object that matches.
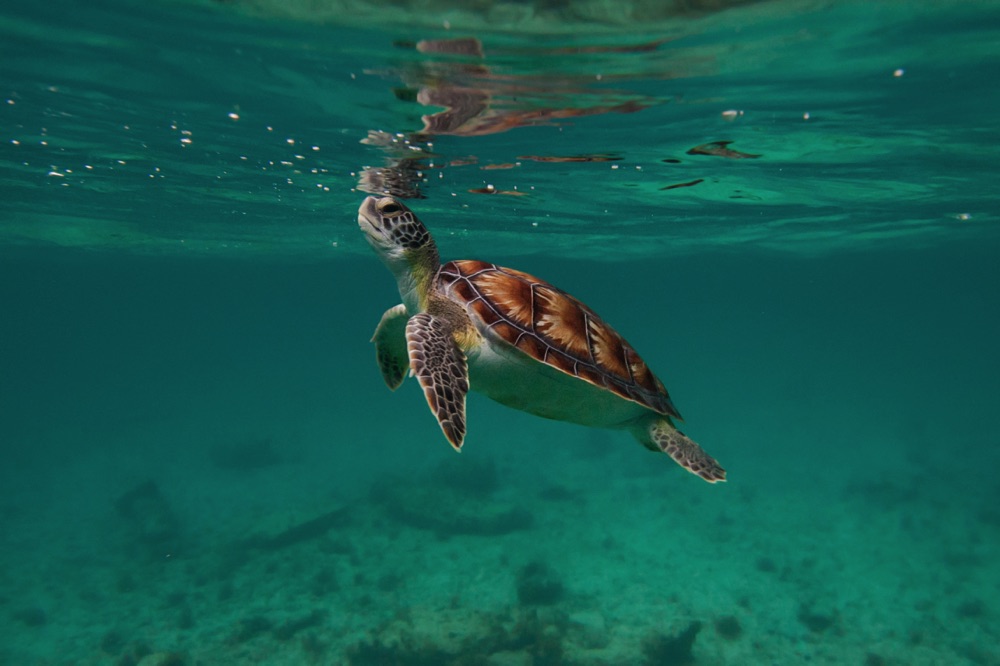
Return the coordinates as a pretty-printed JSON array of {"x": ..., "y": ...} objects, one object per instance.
[
  {"x": 440, "y": 367},
  {"x": 390, "y": 346},
  {"x": 685, "y": 452}
]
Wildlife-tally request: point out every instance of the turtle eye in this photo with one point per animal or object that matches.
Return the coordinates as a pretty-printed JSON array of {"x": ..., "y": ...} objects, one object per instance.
[{"x": 390, "y": 208}]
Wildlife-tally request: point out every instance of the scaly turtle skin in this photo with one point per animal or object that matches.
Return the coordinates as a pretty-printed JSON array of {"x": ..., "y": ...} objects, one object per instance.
[{"x": 519, "y": 340}]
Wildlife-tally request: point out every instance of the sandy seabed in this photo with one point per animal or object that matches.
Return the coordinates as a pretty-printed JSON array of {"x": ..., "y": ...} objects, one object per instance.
[{"x": 590, "y": 552}]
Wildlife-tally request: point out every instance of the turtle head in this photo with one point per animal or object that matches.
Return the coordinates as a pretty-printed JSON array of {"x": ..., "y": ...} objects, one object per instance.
[
  {"x": 392, "y": 228},
  {"x": 402, "y": 242}
]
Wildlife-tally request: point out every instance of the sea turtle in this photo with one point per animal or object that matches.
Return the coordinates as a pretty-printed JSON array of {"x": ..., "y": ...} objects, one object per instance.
[{"x": 515, "y": 338}]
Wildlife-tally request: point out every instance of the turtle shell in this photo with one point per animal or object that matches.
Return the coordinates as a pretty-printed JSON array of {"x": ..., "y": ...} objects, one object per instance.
[{"x": 553, "y": 328}]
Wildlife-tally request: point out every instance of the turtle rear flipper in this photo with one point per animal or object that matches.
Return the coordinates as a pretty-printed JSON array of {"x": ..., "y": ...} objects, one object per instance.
[
  {"x": 440, "y": 367},
  {"x": 665, "y": 437}
]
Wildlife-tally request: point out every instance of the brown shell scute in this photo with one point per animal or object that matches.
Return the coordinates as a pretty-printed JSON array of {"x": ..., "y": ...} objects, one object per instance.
[{"x": 554, "y": 328}]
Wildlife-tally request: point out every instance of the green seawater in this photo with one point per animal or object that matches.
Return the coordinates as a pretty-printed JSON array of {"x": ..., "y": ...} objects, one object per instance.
[{"x": 788, "y": 208}]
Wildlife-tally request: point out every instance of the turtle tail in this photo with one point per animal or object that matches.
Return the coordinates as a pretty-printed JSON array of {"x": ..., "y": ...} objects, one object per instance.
[{"x": 661, "y": 435}]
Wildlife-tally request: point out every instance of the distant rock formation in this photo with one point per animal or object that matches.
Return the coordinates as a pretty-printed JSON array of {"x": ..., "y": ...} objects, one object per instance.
[{"x": 149, "y": 518}]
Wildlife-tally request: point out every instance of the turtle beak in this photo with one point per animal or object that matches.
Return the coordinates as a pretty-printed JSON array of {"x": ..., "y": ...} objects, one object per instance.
[{"x": 368, "y": 217}]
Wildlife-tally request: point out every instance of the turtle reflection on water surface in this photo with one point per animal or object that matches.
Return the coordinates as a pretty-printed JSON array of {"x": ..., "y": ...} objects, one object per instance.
[{"x": 520, "y": 341}]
